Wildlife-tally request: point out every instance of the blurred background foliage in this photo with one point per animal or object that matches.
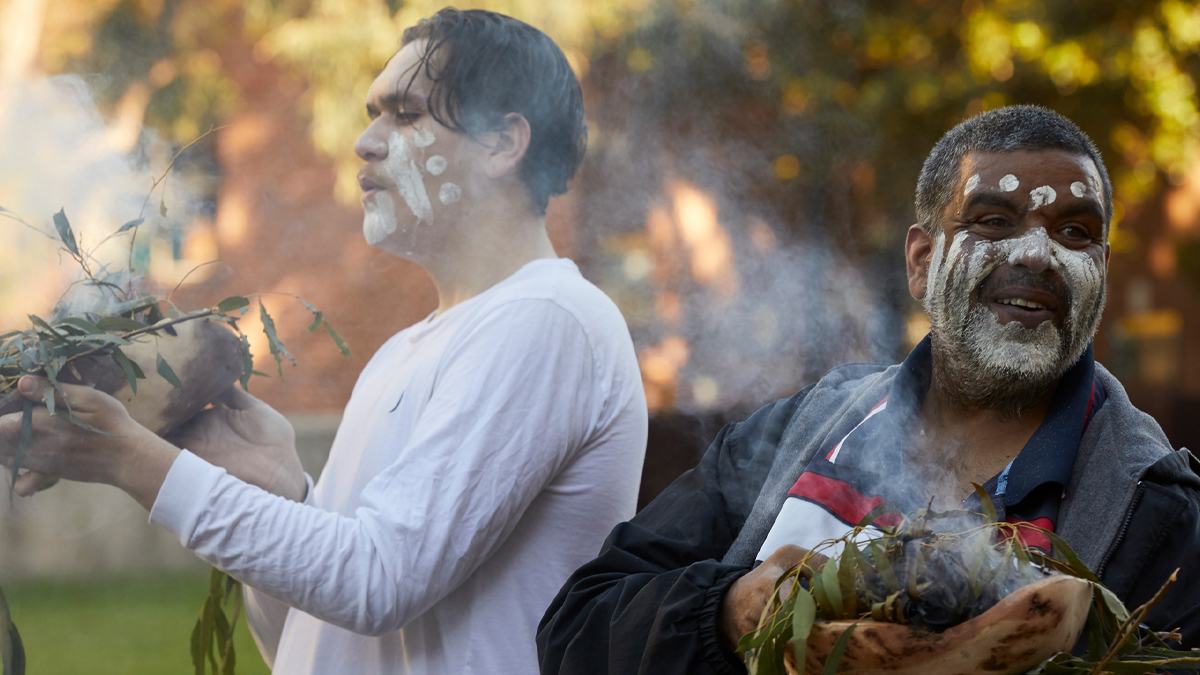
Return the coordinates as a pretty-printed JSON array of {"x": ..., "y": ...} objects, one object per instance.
[{"x": 757, "y": 135}]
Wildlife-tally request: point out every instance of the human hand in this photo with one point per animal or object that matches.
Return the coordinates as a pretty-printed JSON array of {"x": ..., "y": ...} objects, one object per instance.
[
  {"x": 124, "y": 453},
  {"x": 250, "y": 440},
  {"x": 744, "y": 601}
]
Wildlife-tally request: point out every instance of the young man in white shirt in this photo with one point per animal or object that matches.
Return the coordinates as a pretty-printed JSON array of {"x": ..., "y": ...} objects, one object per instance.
[{"x": 484, "y": 453}]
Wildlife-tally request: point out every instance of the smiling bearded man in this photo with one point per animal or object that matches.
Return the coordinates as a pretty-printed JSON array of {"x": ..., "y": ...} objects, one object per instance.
[{"x": 1009, "y": 256}]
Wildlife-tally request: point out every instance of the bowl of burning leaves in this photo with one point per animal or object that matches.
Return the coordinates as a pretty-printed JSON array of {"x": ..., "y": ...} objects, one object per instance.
[{"x": 948, "y": 593}]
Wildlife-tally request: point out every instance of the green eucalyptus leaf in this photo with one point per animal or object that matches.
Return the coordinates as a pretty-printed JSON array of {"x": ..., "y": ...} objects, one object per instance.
[
  {"x": 337, "y": 340},
  {"x": 115, "y": 323},
  {"x": 86, "y": 326},
  {"x": 316, "y": 323},
  {"x": 64, "y": 232},
  {"x": 130, "y": 225},
  {"x": 133, "y": 372},
  {"x": 25, "y": 439},
  {"x": 804, "y": 613},
  {"x": 839, "y": 648},
  {"x": 232, "y": 303},
  {"x": 168, "y": 373},
  {"x": 829, "y": 581}
]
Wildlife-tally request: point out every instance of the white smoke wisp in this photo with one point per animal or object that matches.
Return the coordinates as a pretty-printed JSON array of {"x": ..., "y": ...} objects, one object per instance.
[{"x": 57, "y": 153}]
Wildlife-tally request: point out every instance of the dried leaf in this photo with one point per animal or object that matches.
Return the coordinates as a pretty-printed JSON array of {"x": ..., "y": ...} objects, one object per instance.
[{"x": 989, "y": 509}]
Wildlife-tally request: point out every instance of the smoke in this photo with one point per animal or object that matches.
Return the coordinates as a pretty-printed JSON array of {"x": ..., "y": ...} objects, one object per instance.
[
  {"x": 58, "y": 153},
  {"x": 724, "y": 229}
]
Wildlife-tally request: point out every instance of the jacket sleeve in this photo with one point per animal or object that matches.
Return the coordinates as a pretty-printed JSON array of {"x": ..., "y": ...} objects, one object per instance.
[
  {"x": 650, "y": 603},
  {"x": 1162, "y": 535}
]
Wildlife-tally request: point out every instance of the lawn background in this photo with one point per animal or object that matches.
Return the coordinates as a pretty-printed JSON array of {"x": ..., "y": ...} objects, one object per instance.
[{"x": 117, "y": 625}]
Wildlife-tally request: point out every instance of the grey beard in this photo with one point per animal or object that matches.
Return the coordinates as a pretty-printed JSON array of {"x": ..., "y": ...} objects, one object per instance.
[{"x": 982, "y": 363}]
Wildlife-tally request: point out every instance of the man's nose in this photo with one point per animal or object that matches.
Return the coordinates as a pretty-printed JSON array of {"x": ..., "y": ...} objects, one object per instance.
[
  {"x": 372, "y": 146},
  {"x": 1032, "y": 251}
]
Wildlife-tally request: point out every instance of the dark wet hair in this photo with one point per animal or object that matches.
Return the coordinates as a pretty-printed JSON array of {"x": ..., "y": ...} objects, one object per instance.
[
  {"x": 485, "y": 65},
  {"x": 1008, "y": 129}
]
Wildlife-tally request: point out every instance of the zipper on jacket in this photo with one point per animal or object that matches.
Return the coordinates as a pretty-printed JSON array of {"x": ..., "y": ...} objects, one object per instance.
[{"x": 1137, "y": 498}]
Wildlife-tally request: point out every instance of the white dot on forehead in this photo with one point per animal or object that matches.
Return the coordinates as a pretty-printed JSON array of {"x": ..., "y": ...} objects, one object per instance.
[
  {"x": 449, "y": 193},
  {"x": 1078, "y": 189},
  {"x": 423, "y": 138},
  {"x": 1041, "y": 196},
  {"x": 972, "y": 183},
  {"x": 1009, "y": 183},
  {"x": 436, "y": 165}
]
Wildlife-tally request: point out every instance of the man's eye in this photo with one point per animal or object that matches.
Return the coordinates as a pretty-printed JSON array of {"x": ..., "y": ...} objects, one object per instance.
[
  {"x": 1076, "y": 232},
  {"x": 995, "y": 222},
  {"x": 407, "y": 118}
]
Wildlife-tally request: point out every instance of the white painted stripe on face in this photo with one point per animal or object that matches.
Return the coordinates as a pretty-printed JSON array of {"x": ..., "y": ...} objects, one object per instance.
[{"x": 972, "y": 183}]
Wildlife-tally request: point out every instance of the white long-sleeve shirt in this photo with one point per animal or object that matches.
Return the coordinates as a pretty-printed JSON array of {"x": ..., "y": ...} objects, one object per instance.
[{"x": 484, "y": 454}]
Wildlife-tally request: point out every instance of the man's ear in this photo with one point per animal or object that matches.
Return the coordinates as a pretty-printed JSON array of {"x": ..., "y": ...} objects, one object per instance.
[
  {"x": 918, "y": 254},
  {"x": 507, "y": 146}
]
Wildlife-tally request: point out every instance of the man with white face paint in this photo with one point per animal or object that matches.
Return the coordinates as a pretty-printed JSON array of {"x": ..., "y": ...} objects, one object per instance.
[
  {"x": 485, "y": 451},
  {"x": 1009, "y": 257}
]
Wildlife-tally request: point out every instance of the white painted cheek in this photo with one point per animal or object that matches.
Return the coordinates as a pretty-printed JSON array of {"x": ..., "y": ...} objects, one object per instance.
[
  {"x": 1009, "y": 183},
  {"x": 1041, "y": 196},
  {"x": 449, "y": 193},
  {"x": 436, "y": 165},
  {"x": 405, "y": 175},
  {"x": 423, "y": 138},
  {"x": 1078, "y": 189},
  {"x": 972, "y": 183}
]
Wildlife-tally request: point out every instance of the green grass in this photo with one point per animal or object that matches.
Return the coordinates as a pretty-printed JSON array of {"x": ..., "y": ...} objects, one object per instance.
[{"x": 117, "y": 626}]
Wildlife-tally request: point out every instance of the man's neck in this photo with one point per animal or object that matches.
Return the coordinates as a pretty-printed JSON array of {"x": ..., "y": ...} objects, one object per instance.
[
  {"x": 486, "y": 254},
  {"x": 961, "y": 443}
]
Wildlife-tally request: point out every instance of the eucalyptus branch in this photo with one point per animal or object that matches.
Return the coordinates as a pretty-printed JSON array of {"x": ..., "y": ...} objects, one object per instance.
[{"x": 161, "y": 325}]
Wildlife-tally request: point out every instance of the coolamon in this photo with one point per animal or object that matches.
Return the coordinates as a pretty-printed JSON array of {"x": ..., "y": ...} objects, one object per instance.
[
  {"x": 204, "y": 354},
  {"x": 1029, "y": 626}
]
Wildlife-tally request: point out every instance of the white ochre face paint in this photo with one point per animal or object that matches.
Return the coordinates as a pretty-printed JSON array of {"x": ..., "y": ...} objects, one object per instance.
[
  {"x": 379, "y": 218},
  {"x": 1078, "y": 189},
  {"x": 972, "y": 183},
  {"x": 423, "y": 138},
  {"x": 449, "y": 193},
  {"x": 1041, "y": 196},
  {"x": 1009, "y": 183},
  {"x": 402, "y": 168},
  {"x": 436, "y": 165}
]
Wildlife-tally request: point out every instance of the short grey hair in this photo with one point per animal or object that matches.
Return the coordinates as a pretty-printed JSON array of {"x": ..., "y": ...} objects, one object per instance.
[{"x": 1008, "y": 129}]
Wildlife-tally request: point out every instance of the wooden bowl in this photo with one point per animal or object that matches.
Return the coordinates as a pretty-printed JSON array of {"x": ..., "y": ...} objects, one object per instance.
[
  {"x": 1027, "y": 627},
  {"x": 205, "y": 355}
]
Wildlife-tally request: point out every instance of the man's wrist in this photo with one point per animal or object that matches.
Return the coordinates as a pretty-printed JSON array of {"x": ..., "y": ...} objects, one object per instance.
[{"x": 142, "y": 467}]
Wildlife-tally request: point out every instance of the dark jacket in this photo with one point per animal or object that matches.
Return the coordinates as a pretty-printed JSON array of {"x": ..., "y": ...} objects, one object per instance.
[{"x": 650, "y": 603}]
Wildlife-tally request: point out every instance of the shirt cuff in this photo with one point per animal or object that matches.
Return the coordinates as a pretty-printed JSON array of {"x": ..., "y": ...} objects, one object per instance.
[
  {"x": 184, "y": 495},
  {"x": 308, "y": 486}
]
